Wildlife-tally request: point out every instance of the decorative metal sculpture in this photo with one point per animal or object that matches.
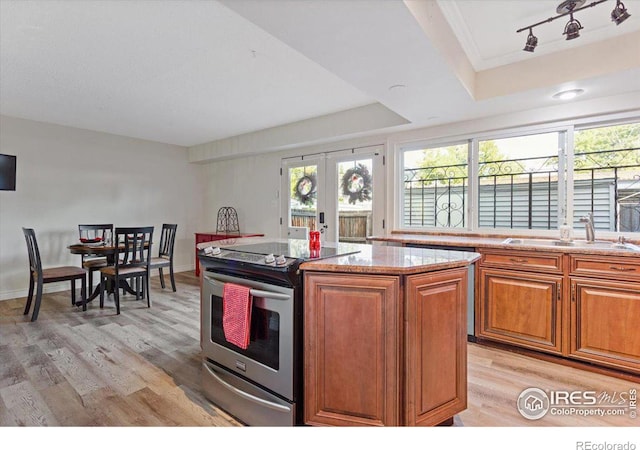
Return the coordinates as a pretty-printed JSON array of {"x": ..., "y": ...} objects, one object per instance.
[{"x": 227, "y": 220}]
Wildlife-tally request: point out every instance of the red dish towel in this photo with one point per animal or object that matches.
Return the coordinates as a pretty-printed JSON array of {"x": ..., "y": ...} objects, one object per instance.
[{"x": 236, "y": 314}]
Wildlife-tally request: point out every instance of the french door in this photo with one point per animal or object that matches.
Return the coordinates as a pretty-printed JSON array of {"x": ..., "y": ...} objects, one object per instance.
[{"x": 341, "y": 194}]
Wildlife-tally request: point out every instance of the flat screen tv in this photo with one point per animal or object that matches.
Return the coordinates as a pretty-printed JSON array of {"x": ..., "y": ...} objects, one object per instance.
[{"x": 7, "y": 172}]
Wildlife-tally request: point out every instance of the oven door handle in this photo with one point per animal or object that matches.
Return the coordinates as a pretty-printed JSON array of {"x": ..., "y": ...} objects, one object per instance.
[
  {"x": 254, "y": 292},
  {"x": 267, "y": 294},
  {"x": 249, "y": 397}
]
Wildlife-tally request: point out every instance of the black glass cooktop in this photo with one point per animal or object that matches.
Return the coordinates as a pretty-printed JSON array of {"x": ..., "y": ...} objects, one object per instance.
[
  {"x": 272, "y": 262},
  {"x": 294, "y": 248}
]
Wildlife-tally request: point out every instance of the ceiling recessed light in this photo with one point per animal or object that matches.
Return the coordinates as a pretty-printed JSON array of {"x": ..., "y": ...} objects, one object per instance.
[
  {"x": 568, "y": 95},
  {"x": 397, "y": 87}
]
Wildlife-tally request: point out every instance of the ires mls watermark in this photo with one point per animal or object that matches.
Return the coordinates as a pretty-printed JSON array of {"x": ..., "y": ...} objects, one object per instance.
[{"x": 534, "y": 403}]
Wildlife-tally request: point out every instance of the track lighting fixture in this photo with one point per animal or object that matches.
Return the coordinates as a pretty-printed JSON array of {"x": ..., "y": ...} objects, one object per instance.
[{"x": 573, "y": 27}]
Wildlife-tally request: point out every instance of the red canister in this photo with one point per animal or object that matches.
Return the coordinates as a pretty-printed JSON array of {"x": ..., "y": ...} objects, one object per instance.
[{"x": 314, "y": 241}]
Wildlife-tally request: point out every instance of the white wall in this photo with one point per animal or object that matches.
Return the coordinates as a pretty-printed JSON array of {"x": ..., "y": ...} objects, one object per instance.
[
  {"x": 67, "y": 176},
  {"x": 251, "y": 183}
]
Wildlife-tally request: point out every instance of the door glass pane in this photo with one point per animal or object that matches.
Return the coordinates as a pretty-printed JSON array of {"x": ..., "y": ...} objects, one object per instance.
[
  {"x": 303, "y": 196},
  {"x": 355, "y": 196}
]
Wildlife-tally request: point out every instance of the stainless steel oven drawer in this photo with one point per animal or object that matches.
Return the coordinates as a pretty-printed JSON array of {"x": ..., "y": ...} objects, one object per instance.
[{"x": 245, "y": 401}]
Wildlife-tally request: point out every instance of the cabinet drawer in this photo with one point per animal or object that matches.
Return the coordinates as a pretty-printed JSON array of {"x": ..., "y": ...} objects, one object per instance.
[
  {"x": 534, "y": 261},
  {"x": 606, "y": 267}
]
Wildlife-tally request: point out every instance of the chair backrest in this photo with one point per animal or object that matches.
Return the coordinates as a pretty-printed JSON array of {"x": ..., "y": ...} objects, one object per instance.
[
  {"x": 167, "y": 239},
  {"x": 133, "y": 249},
  {"x": 94, "y": 231},
  {"x": 34, "y": 253}
]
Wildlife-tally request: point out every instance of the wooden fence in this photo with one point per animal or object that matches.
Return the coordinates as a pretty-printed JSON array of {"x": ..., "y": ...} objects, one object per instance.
[{"x": 354, "y": 226}]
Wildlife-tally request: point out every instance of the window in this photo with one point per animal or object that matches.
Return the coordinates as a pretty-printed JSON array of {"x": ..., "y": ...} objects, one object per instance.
[
  {"x": 436, "y": 187},
  {"x": 518, "y": 182},
  {"x": 303, "y": 199},
  {"x": 527, "y": 181},
  {"x": 606, "y": 177},
  {"x": 355, "y": 199}
]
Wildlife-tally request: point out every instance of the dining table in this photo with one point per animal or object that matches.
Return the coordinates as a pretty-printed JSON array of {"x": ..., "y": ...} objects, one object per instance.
[{"x": 108, "y": 251}]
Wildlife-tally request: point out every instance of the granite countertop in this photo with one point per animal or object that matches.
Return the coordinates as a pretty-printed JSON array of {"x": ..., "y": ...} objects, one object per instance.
[
  {"x": 373, "y": 259},
  {"x": 478, "y": 241},
  {"x": 378, "y": 259}
]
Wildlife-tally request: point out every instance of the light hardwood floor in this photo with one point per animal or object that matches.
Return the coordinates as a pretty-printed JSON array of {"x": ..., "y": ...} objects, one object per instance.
[{"x": 142, "y": 368}]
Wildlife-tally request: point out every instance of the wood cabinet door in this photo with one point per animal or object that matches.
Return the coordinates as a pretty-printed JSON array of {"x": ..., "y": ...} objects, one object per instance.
[
  {"x": 605, "y": 319},
  {"x": 351, "y": 349},
  {"x": 521, "y": 308},
  {"x": 435, "y": 347}
]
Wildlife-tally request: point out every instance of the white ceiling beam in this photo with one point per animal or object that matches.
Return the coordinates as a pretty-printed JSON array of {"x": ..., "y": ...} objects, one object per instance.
[{"x": 337, "y": 126}]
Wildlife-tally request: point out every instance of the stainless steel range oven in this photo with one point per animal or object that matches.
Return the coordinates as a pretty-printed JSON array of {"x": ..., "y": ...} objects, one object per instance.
[{"x": 262, "y": 384}]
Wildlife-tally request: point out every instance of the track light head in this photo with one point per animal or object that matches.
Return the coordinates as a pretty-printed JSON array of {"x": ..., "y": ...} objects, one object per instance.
[
  {"x": 532, "y": 42},
  {"x": 572, "y": 29},
  {"x": 619, "y": 13}
]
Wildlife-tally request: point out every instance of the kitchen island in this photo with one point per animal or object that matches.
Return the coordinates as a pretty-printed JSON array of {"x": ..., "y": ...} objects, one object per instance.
[{"x": 385, "y": 337}]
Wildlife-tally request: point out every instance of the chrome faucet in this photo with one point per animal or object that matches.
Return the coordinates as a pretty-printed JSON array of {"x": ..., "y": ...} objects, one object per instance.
[{"x": 588, "y": 226}]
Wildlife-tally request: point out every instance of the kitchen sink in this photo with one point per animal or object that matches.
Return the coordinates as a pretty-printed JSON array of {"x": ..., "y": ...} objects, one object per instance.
[{"x": 535, "y": 242}]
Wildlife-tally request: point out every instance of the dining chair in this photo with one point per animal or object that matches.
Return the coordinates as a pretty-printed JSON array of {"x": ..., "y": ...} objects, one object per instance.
[
  {"x": 99, "y": 232},
  {"x": 132, "y": 259},
  {"x": 165, "y": 253},
  {"x": 39, "y": 276}
]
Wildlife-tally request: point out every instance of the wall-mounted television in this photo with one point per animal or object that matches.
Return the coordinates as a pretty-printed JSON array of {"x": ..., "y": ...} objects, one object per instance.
[{"x": 7, "y": 172}]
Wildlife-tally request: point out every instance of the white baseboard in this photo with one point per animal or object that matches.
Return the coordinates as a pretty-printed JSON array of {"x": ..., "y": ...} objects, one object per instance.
[
  {"x": 64, "y": 285},
  {"x": 9, "y": 295}
]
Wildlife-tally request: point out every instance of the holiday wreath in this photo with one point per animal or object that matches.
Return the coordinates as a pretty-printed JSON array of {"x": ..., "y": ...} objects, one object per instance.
[
  {"x": 356, "y": 184},
  {"x": 305, "y": 189}
]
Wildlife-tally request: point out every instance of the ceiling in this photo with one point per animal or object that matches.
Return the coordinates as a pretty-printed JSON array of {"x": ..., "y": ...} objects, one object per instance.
[{"x": 188, "y": 72}]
